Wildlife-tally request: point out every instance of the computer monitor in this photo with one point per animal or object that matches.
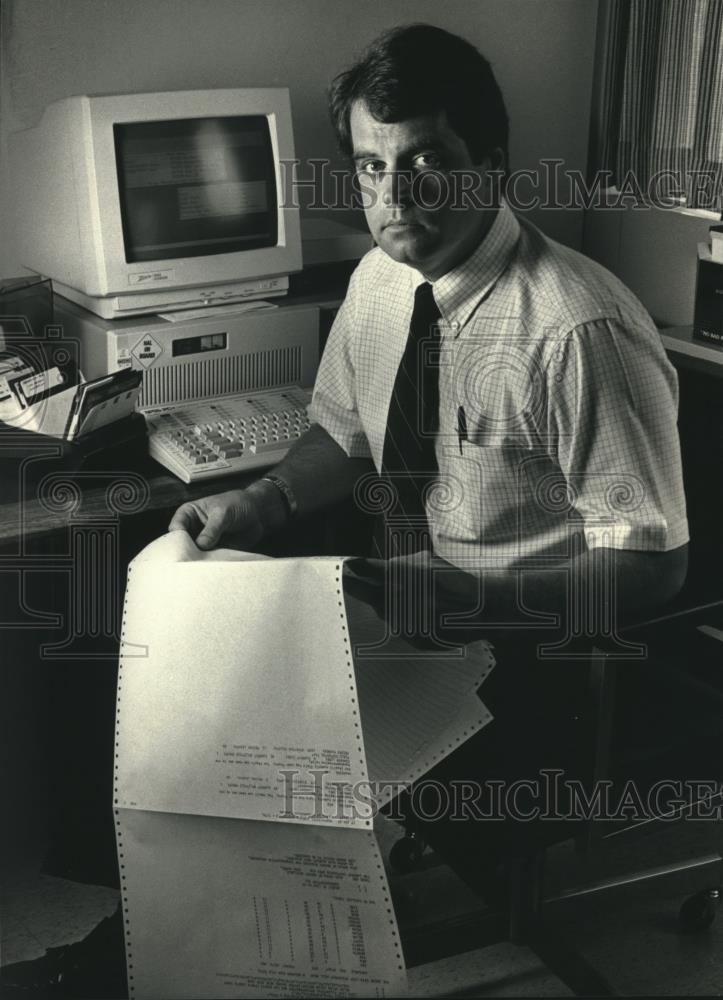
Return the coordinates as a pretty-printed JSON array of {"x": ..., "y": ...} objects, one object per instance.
[{"x": 144, "y": 203}]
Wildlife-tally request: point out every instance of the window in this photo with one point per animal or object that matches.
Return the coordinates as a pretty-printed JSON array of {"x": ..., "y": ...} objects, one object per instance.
[{"x": 660, "y": 111}]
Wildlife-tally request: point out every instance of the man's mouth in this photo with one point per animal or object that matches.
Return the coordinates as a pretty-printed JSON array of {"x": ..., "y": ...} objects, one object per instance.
[{"x": 402, "y": 224}]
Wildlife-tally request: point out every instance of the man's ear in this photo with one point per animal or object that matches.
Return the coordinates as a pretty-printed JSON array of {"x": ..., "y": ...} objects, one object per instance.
[
  {"x": 497, "y": 160},
  {"x": 496, "y": 172},
  {"x": 494, "y": 169}
]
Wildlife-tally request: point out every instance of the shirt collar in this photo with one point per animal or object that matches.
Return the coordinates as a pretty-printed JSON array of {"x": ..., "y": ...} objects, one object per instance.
[{"x": 459, "y": 292}]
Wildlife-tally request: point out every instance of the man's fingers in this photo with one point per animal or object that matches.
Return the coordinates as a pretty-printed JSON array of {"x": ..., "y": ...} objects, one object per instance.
[
  {"x": 209, "y": 518},
  {"x": 187, "y": 518},
  {"x": 213, "y": 529}
]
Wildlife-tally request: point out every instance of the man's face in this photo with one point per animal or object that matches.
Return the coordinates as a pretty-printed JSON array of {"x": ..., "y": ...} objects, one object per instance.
[{"x": 401, "y": 168}]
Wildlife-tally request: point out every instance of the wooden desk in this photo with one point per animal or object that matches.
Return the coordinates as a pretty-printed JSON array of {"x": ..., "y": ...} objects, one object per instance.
[{"x": 37, "y": 510}]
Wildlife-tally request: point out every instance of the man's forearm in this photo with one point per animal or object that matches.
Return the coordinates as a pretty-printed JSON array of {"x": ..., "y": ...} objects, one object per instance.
[
  {"x": 622, "y": 583},
  {"x": 319, "y": 472},
  {"x": 620, "y": 586}
]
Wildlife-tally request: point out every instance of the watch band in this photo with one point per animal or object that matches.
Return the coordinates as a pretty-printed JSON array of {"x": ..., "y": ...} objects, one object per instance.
[{"x": 292, "y": 508}]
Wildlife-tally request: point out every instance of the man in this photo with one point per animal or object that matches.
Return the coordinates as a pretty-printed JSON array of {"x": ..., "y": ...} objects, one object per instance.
[
  {"x": 517, "y": 409},
  {"x": 513, "y": 396},
  {"x": 554, "y": 434}
]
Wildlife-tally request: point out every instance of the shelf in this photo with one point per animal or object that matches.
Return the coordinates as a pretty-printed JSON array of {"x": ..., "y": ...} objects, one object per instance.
[{"x": 685, "y": 349}]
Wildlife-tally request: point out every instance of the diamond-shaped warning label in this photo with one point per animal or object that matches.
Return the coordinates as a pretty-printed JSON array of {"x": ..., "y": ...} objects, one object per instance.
[{"x": 147, "y": 350}]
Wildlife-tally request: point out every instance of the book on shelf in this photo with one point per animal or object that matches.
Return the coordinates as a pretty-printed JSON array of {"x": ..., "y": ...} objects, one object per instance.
[{"x": 708, "y": 318}]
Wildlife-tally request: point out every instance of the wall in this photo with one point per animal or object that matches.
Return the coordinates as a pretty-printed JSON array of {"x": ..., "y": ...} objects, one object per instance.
[
  {"x": 542, "y": 53},
  {"x": 654, "y": 251}
]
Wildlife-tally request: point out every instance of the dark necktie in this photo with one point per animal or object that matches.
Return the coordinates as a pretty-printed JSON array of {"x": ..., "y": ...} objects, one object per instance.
[{"x": 408, "y": 459}]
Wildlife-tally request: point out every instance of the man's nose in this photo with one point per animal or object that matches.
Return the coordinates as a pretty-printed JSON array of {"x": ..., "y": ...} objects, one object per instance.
[{"x": 397, "y": 188}]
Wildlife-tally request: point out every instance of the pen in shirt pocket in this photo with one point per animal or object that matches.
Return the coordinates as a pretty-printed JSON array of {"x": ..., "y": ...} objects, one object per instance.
[{"x": 461, "y": 427}]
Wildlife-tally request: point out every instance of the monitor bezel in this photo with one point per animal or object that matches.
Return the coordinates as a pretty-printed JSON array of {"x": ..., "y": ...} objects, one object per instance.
[{"x": 118, "y": 276}]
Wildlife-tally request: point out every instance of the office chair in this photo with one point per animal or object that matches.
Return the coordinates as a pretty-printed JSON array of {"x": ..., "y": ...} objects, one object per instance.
[{"x": 515, "y": 885}]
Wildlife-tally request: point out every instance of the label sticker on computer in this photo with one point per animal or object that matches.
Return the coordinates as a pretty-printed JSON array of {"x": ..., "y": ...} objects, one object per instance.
[
  {"x": 151, "y": 277},
  {"x": 147, "y": 350}
]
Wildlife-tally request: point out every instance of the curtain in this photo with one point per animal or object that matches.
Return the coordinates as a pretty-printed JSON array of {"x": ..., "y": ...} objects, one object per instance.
[{"x": 662, "y": 100}]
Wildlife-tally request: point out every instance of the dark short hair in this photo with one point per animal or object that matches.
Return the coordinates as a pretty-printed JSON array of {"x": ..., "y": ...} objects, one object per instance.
[{"x": 419, "y": 69}]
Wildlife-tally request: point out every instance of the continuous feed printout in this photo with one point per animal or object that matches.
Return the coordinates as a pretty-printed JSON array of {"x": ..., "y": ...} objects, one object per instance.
[{"x": 251, "y": 753}]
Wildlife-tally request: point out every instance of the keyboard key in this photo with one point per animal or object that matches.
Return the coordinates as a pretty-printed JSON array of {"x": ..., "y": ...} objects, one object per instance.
[{"x": 260, "y": 448}]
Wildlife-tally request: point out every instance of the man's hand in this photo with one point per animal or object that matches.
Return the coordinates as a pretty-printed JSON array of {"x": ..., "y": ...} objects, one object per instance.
[
  {"x": 318, "y": 472},
  {"x": 244, "y": 514}
]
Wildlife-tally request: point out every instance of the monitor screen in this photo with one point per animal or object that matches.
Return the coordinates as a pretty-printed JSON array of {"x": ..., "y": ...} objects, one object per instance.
[{"x": 196, "y": 186}]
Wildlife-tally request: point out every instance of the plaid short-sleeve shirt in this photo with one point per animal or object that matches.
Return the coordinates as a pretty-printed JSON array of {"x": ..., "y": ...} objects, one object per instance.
[{"x": 568, "y": 401}]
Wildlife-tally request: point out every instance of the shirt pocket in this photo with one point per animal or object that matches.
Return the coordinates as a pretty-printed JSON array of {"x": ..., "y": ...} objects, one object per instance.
[
  {"x": 516, "y": 432},
  {"x": 501, "y": 396}
]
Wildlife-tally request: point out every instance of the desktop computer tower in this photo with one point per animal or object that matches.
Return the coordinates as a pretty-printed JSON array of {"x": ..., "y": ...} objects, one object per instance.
[{"x": 202, "y": 354}]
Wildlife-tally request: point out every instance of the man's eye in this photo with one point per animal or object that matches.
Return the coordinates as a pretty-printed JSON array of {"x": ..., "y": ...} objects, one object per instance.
[
  {"x": 427, "y": 161},
  {"x": 371, "y": 167}
]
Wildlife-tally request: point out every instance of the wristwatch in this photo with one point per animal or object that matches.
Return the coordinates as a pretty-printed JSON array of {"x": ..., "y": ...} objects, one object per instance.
[{"x": 292, "y": 508}]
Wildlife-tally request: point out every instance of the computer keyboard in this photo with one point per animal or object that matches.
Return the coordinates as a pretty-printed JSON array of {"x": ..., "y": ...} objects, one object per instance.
[{"x": 227, "y": 434}]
